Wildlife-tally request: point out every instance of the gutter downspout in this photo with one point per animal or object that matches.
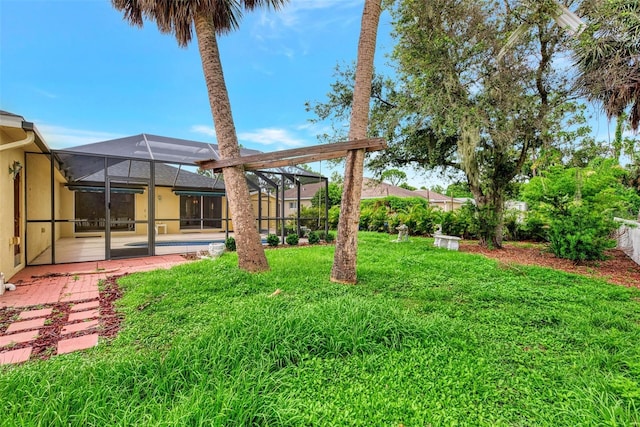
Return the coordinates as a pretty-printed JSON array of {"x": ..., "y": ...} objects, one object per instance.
[{"x": 17, "y": 144}]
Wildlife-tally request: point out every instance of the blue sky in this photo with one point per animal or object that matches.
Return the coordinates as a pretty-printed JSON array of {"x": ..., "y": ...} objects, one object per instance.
[{"x": 82, "y": 74}]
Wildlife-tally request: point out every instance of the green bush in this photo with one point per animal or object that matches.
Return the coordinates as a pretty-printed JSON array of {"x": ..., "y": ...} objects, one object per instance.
[
  {"x": 365, "y": 218},
  {"x": 273, "y": 240},
  {"x": 462, "y": 222},
  {"x": 230, "y": 244},
  {"x": 292, "y": 239},
  {"x": 311, "y": 217},
  {"x": 329, "y": 237},
  {"x": 379, "y": 220},
  {"x": 534, "y": 227},
  {"x": 334, "y": 216},
  {"x": 313, "y": 238},
  {"x": 580, "y": 233}
]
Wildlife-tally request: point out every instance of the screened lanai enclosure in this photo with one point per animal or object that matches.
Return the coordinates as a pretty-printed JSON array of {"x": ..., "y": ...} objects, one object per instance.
[{"x": 142, "y": 196}]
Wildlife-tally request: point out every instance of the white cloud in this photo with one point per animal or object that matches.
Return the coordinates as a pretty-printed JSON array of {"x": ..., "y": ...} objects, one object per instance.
[
  {"x": 204, "y": 129},
  {"x": 271, "y": 137},
  {"x": 302, "y": 17},
  {"x": 277, "y": 139},
  {"x": 45, "y": 93},
  {"x": 59, "y": 137}
]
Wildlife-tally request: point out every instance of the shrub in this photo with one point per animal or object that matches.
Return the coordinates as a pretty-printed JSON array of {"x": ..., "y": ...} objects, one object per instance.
[
  {"x": 533, "y": 228},
  {"x": 379, "y": 220},
  {"x": 292, "y": 239},
  {"x": 334, "y": 216},
  {"x": 273, "y": 240},
  {"x": 580, "y": 233},
  {"x": 230, "y": 244},
  {"x": 329, "y": 237},
  {"x": 313, "y": 238},
  {"x": 365, "y": 218},
  {"x": 311, "y": 217}
]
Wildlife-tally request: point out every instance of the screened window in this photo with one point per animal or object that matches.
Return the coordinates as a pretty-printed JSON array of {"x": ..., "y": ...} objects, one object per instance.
[
  {"x": 200, "y": 212},
  {"x": 90, "y": 211}
]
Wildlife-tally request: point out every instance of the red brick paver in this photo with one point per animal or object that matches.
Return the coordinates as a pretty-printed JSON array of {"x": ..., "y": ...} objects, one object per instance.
[
  {"x": 6, "y": 340},
  {"x": 26, "y": 325},
  {"x": 75, "y": 344},
  {"x": 49, "y": 284},
  {"x": 15, "y": 356},
  {"x": 30, "y": 314},
  {"x": 86, "y": 305},
  {"x": 82, "y": 315},
  {"x": 77, "y": 327}
]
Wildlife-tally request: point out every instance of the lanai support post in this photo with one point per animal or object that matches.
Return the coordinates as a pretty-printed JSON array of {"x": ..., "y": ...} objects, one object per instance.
[
  {"x": 326, "y": 206},
  {"x": 298, "y": 209}
]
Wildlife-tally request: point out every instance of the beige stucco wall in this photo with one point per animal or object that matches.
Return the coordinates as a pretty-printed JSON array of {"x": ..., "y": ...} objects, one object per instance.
[
  {"x": 11, "y": 132},
  {"x": 38, "y": 199},
  {"x": 289, "y": 212},
  {"x": 268, "y": 210},
  {"x": 7, "y": 260},
  {"x": 167, "y": 207}
]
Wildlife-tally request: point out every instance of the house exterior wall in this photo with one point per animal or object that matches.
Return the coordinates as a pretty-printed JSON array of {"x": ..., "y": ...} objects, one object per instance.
[
  {"x": 8, "y": 264},
  {"x": 38, "y": 199},
  {"x": 64, "y": 207},
  {"x": 288, "y": 211},
  {"x": 269, "y": 210},
  {"x": 167, "y": 207}
]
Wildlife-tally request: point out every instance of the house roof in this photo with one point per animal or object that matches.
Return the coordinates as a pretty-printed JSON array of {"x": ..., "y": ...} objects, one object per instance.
[
  {"x": 165, "y": 176},
  {"x": 16, "y": 128},
  {"x": 372, "y": 189},
  {"x": 434, "y": 197},
  {"x": 307, "y": 191},
  {"x": 7, "y": 113},
  {"x": 166, "y": 150}
]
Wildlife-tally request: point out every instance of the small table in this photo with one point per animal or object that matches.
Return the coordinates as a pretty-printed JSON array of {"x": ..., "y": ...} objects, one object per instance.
[{"x": 163, "y": 226}]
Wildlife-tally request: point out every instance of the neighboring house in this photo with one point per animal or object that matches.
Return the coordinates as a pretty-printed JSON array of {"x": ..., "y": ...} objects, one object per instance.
[
  {"x": 441, "y": 201},
  {"x": 372, "y": 189},
  {"x": 307, "y": 191},
  {"x": 116, "y": 197}
]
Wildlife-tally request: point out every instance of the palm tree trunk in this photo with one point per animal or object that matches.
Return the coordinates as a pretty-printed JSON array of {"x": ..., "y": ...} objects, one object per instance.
[
  {"x": 251, "y": 256},
  {"x": 345, "y": 257}
]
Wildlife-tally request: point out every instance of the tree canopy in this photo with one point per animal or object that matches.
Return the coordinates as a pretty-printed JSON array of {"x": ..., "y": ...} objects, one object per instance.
[{"x": 608, "y": 57}]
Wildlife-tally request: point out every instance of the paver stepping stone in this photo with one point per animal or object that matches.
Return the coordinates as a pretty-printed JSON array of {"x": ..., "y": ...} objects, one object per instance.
[
  {"x": 86, "y": 305},
  {"x": 21, "y": 337},
  {"x": 82, "y": 326},
  {"x": 30, "y": 314},
  {"x": 79, "y": 343},
  {"x": 82, "y": 315},
  {"x": 15, "y": 356},
  {"x": 26, "y": 325},
  {"x": 79, "y": 296}
]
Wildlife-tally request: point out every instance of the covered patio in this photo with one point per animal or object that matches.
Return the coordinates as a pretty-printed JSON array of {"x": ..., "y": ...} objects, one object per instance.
[{"x": 142, "y": 196}]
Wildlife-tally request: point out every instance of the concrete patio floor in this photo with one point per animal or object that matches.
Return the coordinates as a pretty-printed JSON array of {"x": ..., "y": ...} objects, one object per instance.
[
  {"x": 78, "y": 249},
  {"x": 39, "y": 287}
]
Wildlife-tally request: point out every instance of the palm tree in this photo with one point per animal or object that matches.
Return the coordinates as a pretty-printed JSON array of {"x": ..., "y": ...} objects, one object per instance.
[
  {"x": 345, "y": 257},
  {"x": 608, "y": 57},
  {"x": 211, "y": 18}
]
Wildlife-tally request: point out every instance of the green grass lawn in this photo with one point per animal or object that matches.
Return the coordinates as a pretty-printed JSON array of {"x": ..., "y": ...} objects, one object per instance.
[{"x": 427, "y": 337}]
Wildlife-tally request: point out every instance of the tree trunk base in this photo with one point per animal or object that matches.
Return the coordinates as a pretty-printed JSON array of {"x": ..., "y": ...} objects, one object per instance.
[{"x": 344, "y": 282}]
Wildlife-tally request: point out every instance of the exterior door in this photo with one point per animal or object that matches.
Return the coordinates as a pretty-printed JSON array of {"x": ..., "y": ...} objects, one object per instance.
[{"x": 127, "y": 230}]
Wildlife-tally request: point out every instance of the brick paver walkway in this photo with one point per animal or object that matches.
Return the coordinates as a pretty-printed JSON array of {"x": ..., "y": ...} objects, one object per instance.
[{"x": 40, "y": 286}]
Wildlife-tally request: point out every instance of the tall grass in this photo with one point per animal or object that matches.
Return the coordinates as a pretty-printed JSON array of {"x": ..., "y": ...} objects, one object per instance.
[{"x": 426, "y": 337}]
